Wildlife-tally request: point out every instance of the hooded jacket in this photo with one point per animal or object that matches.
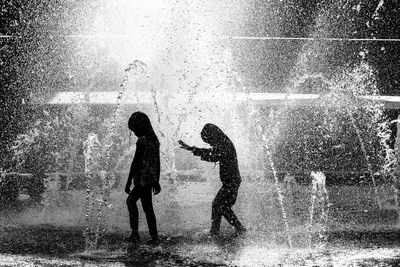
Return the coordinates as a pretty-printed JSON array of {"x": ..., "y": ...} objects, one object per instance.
[{"x": 222, "y": 151}]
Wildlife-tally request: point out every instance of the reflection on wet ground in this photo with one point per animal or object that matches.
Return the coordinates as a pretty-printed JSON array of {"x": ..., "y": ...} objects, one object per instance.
[
  {"x": 52, "y": 234},
  {"x": 51, "y": 246}
]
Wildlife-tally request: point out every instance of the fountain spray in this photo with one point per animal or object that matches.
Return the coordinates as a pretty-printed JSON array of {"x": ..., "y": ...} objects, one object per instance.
[{"x": 136, "y": 68}]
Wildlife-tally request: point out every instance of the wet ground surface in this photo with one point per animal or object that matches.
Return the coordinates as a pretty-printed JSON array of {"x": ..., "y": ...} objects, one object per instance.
[
  {"x": 52, "y": 235},
  {"x": 46, "y": 245}
]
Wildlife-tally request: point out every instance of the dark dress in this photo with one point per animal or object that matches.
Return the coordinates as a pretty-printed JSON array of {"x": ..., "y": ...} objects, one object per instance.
[
  {"x": 147, "y": 152},
  {"x": 225, "y": 154}
]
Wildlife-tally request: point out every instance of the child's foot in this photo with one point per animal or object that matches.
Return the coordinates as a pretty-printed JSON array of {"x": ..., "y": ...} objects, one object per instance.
[
  {"x": 240, "y": 232},
  {"x": 212, "y": 235},
  {"x": 133, "y": 238}
]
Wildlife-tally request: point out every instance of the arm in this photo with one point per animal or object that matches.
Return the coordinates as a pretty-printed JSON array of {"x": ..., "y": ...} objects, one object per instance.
[
  {"x": 158, "y": 168},
  {"x": 157, "y": 187},
  {"x": 129, "y": 181},
  {"x": 134, "y": 166},
  {"x": 185, "y": 146},
  {"x": 208, "y": 154}
]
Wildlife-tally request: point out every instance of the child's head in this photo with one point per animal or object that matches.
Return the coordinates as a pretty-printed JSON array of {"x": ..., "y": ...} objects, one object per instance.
[
  {"x": 212, "y": 135},
  {"x": 139, "y": 124}
]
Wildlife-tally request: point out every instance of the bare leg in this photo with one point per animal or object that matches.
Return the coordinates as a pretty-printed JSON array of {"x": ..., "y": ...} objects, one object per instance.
[
  {"x": 147, "y": 204},
  {"x": 133, "y": 213}
]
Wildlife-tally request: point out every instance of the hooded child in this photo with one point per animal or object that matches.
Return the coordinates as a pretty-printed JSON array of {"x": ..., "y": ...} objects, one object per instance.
[{"x": 223, "y": 151}]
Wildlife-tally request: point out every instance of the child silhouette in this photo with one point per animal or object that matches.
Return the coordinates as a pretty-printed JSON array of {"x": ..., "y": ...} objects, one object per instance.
[
  {"x": 224, "y": 152},
  {"x": 145, "y": 173}
]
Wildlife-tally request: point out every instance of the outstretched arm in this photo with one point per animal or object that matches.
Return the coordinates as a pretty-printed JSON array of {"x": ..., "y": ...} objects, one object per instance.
[
  {"x": 186, "y": 146},
  {"x": 206, "y": 154}
]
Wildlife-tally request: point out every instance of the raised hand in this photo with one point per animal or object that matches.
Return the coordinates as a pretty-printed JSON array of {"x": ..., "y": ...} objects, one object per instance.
[
  {"x": 184, "y": 145},
  {"x": 156, "y": 189}
]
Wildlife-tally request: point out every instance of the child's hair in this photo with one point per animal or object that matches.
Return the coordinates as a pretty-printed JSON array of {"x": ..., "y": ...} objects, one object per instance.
[{"x": 140, "y": 121}]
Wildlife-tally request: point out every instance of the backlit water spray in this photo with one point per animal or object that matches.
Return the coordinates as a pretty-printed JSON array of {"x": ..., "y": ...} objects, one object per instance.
[
  {"x": 94, "y": 223},
  {"x": 92, "y": 154},
  {"x": 348, "y": 90},
  {"x": 256, "y": 116},
  {"x": 172, "y": 139},
  {"x": 319, "y": 205},
  {"x": 367, "y": 160},
  {"x": 267, "y": 133}
]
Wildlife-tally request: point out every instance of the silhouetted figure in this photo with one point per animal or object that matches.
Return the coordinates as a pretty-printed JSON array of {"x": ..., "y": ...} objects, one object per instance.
[
  {"x": 145, "y": 173},
  {"x": 224, "y": 152}
]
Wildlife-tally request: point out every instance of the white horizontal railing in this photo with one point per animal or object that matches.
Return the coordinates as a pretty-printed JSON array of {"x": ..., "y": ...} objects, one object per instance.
[
  {"x": 188, "y": 172},
  {"x": 266, "y": 99}
]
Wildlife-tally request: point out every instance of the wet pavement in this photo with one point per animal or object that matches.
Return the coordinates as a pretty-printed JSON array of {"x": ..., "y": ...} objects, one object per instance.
[
  {"x": 51, "y": 246},
  {"x": 52, "y": 235}
]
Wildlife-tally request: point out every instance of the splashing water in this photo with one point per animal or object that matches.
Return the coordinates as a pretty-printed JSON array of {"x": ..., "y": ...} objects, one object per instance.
[
  {"x": 171, "y": 138},
  {"x": 319, "y": 199},
  {"x": 92, "y": 154},
  {"x": 256, "y": 117},
  {"x": 262, "y": 132},
  {"x": 137, "y": 70},
  {"x": 358, "y": 82},
  {"x": 364, "y": 151}
]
